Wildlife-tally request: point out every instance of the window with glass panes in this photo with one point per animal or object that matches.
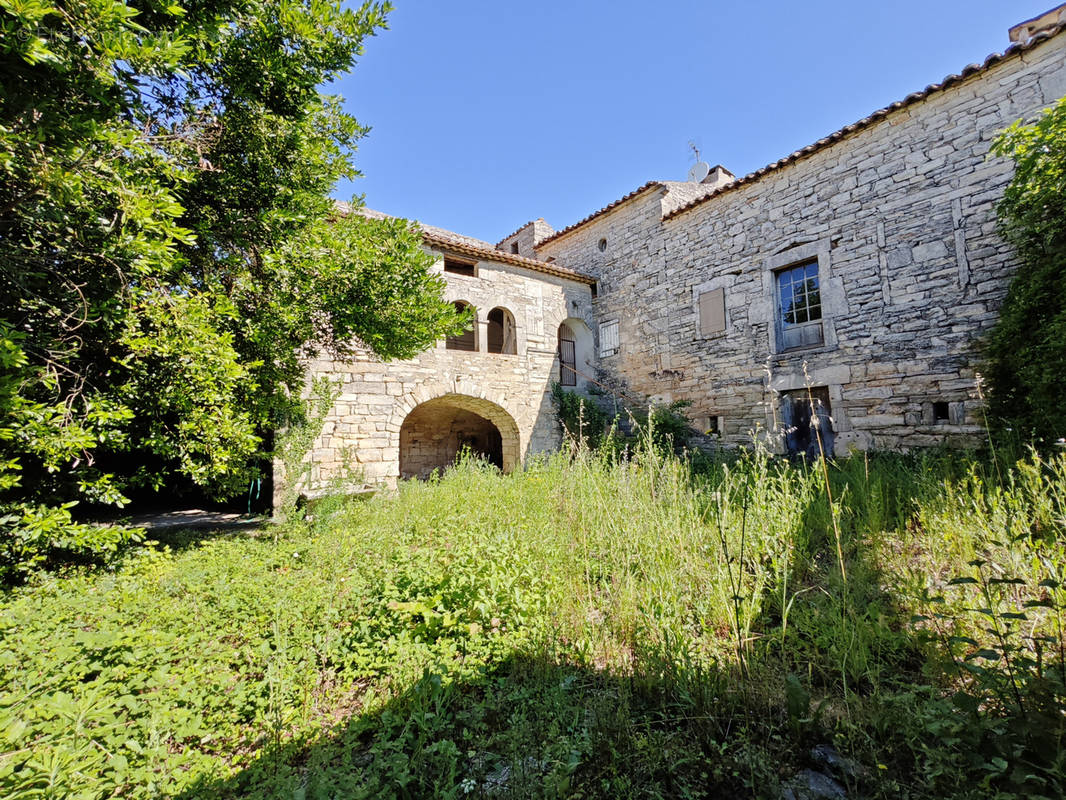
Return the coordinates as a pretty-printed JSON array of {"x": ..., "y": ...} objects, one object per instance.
[{"x": 799, "y": 306}]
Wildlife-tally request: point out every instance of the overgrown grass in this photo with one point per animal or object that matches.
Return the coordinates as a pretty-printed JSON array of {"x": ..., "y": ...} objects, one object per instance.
[{"x": 582, "y": 628}]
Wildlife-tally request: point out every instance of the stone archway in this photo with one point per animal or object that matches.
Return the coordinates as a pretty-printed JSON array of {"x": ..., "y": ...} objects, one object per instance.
[{"x": 434, "y": 432}]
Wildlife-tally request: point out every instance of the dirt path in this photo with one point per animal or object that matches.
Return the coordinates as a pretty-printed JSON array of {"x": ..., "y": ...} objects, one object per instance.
[{"x": 197, "y": 519}]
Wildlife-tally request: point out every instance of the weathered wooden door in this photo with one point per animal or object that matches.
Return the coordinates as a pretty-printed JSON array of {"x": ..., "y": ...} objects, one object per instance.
[{"x": 805, "y": 414}]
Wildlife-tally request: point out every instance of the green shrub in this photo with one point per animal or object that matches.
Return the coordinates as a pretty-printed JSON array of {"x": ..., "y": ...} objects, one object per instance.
[
  {"x": 584, "y": 627},
  {"x": 1026, "y": 350},
  {"x": 663, "y": 427},
  {"x": 582, "y": 420}
]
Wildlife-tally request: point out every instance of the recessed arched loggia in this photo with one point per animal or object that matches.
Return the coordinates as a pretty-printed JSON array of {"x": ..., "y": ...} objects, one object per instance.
[
  {"x": 502, "y": 335},
  {"x": 435, "y": 432},
  {"x": 467, "y": 340}
]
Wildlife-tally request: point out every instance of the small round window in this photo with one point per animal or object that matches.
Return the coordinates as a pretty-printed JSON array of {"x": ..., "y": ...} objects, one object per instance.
[{"x": 602, "y": 245}]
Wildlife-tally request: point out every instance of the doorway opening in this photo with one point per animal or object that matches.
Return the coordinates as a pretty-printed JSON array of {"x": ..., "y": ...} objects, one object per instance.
[{"x": 806, "y": 416}]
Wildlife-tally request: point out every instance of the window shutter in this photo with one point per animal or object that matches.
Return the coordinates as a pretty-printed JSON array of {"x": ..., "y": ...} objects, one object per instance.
[
  {"x": 609, "y": 338},
  {"x": 712, "y": 312}
]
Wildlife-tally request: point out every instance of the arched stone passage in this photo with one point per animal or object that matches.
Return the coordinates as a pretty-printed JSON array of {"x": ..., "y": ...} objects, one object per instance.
[{"x": 434, "y": 433}]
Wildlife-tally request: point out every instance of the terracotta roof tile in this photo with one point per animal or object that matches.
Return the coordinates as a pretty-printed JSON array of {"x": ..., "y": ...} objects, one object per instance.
[
  {"x": 476, "y": 248},
  {"x": 680, "y": 188},
  {"x": 456, "y": 245},
  {"x": 638, "y": 191},
  {"x": 678, "y": 193},
  {"x": 683, "y": 193},
  {"x": 865, "y": 122}
]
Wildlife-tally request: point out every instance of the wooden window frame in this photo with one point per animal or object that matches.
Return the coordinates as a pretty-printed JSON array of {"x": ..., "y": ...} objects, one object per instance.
[{"x": 804, "y": 301}]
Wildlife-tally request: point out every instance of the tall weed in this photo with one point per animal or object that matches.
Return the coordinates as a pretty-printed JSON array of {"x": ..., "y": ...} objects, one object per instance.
[{"x": 591, "y": 625}]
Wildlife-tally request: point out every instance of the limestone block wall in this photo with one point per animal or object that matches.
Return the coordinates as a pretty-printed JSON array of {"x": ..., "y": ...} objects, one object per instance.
[
  {"x": 360, "y": 439},
  {"x": 900, "y": 220},
  {"x": 526, "y": 238}
]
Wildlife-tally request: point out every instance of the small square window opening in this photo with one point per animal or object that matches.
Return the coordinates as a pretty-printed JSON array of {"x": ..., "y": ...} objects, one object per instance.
[
  {"x": 941, "y": 412},
  {"x": 457, "y": 267}
]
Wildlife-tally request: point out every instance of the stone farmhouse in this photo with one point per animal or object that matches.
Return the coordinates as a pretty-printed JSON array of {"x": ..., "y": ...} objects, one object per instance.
[{"x": 860, "y": 269}]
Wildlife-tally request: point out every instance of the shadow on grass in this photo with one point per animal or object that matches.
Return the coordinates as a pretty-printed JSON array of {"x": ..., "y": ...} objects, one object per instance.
[
  {"x": 847, "y": 668},
  {"x": 538, "y": 725},
  {"x": 531, "y": 726}
]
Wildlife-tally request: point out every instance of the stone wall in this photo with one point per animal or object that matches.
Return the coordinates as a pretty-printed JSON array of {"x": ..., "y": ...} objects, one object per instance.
[
  {"x": 360, "y": 439},
  {"x": 899, "y": 217},
  {"x": 895, "y": 219},
  {"x": 526, "y": 238}
]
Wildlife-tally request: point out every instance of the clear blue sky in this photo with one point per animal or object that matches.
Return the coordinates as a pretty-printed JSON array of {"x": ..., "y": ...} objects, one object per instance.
[{"x": 488, "y": 114}]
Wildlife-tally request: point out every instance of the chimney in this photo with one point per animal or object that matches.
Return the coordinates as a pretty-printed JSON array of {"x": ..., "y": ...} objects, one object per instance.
[
  {"x": 718, "y": 176},
  {"x": 541, "y": 230},
  {"x": 1024, "y": 31}
]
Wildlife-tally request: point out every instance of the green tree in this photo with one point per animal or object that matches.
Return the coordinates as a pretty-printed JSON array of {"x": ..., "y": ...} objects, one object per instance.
[
  {"x": 169, "y": 253},
  {"x": 1026, "y": 350}
]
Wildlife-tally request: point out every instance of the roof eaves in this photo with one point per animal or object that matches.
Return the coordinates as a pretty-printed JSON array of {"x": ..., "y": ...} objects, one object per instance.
[
  {"x": 914, "y": 97},
  {"x": 462, "y": 245},
  {"x": 581, "y": 223},
  {"x": 483, "y": 254}
]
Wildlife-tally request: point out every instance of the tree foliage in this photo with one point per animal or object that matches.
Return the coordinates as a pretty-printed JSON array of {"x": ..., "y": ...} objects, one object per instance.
[
  {"x": 169, "y": 253},
  {"x": 1026, "y": 351}
]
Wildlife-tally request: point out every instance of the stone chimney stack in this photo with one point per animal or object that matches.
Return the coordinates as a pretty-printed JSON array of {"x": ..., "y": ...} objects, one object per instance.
[
  {"x": 718, "y": 176},
  {"x": 1024, "y": 31}
]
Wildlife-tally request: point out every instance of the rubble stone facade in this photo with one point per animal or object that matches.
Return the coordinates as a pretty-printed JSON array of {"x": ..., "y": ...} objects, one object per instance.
[
  {"x": 899, "y": 219},
  {"x": 861, "y": 270},
  {"x": 441, "y": 393}
]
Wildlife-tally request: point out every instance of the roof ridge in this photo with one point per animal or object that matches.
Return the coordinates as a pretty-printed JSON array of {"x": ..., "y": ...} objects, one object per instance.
[
  {"x": 604, "y": 210},
  {"x": 512, "y": 233},
  {"x": 914, "y": 97},
  {"x": 492, "y": 254}
]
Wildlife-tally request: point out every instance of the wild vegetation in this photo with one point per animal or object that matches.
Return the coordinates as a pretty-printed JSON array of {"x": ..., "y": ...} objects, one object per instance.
[
  {"x": 1026, "y": 351},
  {"x": 170, "y": 254},
  {"x": 586, "y": 627},
  {"x": 627, "y": 623},
  {"x": 619, "y": 431}
]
